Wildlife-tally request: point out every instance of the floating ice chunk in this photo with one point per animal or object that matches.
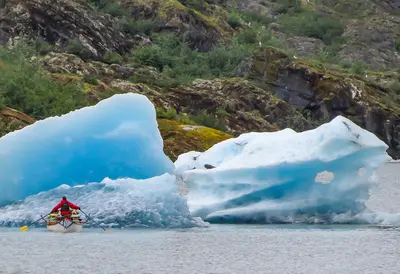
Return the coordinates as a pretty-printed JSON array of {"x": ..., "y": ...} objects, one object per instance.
[
  {"x": 271, "y": 177},
  {"x": 154, "y": 202},
  {"x": 116, "y": 138}
]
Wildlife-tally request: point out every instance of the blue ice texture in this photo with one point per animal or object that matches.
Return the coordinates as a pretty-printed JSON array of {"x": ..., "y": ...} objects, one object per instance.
[
  {"x": 109, "y": 160},
  {"x": 116, "y": 138},
  {"x": 322, "y": 175}
]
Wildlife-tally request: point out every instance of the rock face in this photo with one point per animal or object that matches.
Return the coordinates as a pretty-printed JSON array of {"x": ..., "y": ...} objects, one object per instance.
[
  {"x": 304, "y": 46},
  {"x": 202, "y": 31},
  {"x": 11, "y": 119},
  {"x": 326, "y": 94},
  {"x": 180, "y": 138},
  {"x": 246, "y": 107},
  {"x": 60, "y": 22},
  {"x": 72, "y": 64},
  {"x": 293, "y": 94},
  {"x": 371, "y": 30},
  {"x": 373, "y": 43},
  {"x": 241, "y": 106},
  {"x": 274, "y": 90}
]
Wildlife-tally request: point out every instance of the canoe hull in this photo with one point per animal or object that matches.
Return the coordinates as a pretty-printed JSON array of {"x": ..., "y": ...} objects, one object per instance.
[{"x": 65, "y": 226}]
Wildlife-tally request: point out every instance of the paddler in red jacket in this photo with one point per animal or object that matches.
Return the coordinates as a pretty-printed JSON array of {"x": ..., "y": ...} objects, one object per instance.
[{"x": 65, "y": 207}]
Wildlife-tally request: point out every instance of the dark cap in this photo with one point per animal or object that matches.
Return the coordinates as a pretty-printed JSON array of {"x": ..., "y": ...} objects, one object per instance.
[{"x": 64, "y": 198}]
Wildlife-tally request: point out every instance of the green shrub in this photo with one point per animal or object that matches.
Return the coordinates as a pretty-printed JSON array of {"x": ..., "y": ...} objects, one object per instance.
[
  {"x": 311, "y": 24},
  {"x": 90, "y": 80},
  {"x": 397, "y": 45},
  {"x": 286, "y": 6},
  {"x": 358, "y": 67},
  {"x": 209, "y": 120},
  {"x": 110, "y": 6},
  {"x": 112, "y": 58},
  {"x": 26, "y": 87},
  {"x": 254, "y": 16},
  {"x": 185, "y": 119},
  {"x": 203, "y": 118},
  {"x": 76, "y": 47},
  {"x": 134, "y": 27},
  {"x": 169, "y": 114},
  {"x": 42, "y": 47},
  {"x": 395, "y": 87},
  {"x": 114, "y": 9},
  {"x": 165, "y": 52},
  {"x": 234, "y": 20},
  {"x": 345, "y": 64},
  {"x": 221, "y": 112},
  {"x": 331, "y": 52},
  {"x": 180, "y": 64},
  {"x": 247, "y": 36},
  {"x": 200, "y": 5},
  {"x": 267, "y": 39}
]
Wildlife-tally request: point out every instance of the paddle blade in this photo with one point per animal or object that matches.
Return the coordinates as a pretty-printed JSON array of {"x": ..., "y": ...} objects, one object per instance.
[{"x": 24, "y": 228}]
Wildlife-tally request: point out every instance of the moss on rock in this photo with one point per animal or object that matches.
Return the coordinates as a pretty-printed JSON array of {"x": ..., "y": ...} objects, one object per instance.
[{"x": 180, "y": 138}]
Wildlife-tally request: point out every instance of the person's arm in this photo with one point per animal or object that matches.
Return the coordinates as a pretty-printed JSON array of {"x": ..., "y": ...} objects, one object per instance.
[
  {"x": 57, "y": 207},
  {"x": 71, "y": 205}
]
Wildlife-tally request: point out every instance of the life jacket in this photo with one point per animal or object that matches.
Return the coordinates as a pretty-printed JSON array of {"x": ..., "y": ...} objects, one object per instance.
[{"x": 65, "y": 207}]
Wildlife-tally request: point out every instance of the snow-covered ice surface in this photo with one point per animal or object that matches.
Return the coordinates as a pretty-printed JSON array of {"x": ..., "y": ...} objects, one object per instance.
[
  {"x": 318, "y": 176},
  {"x": 154, "y": 202},
  {"x": 117, "y": 138}
]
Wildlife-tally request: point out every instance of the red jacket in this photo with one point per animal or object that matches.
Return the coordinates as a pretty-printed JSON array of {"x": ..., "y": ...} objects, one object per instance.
[{"x": 71, "y": 205}]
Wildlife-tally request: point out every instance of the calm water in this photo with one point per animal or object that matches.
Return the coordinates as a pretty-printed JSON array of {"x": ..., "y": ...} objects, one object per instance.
[{"x": 218, "y": 249}]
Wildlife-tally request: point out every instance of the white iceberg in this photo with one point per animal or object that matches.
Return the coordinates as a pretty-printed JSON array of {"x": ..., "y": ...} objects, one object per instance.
[{"x": 284, "y": 176}]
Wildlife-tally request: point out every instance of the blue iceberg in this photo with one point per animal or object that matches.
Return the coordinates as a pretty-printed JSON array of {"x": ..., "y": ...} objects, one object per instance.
[
  {"x": 116, "y": 138},
  {"x": 109, "y": 160},
  {"x": 318, "y": 176},
  {"x": 125, "y": 203}
]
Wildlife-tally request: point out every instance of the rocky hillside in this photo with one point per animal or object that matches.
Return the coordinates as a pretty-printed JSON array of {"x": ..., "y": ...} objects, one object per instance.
[{"x": 213, "y": 68}]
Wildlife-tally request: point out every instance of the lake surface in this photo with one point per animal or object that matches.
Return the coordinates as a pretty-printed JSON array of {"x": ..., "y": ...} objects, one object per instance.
[{"x": 218, "y": 249}]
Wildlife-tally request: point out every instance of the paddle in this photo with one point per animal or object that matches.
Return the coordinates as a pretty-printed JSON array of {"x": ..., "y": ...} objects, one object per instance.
[
  {"x": 87, "y": 216},
  {"x": 24, "y": 228}
]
